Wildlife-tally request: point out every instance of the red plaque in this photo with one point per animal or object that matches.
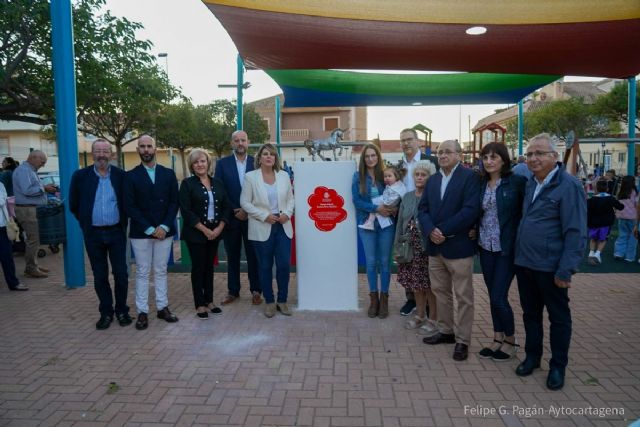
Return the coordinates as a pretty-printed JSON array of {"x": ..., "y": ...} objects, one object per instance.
[{"x": 326, "y": 208}]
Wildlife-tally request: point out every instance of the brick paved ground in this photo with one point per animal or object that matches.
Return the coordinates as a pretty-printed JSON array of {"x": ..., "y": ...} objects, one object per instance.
[{"x": 324, "y": 369}]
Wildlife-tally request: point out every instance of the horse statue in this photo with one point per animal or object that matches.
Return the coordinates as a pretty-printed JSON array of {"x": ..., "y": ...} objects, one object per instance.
[{"x": 331, "y": 143}]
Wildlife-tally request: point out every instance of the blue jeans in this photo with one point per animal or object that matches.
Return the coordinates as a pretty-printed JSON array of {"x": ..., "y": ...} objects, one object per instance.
[
  {"x": 278, "y": 247},
  {"x": 498, "y": 272},
  {"x": 377, "y": 246},
  {"x": 626, "y": 242},
  {"x": 109, "y": 243}
]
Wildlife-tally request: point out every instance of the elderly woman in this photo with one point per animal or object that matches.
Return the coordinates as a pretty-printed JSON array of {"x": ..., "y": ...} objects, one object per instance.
[
  {"x": 205, "y": 210},
  {"x": 414, "y": 275},
  {"x": 502, "y": 195},
  {"x": 367, "y": 184},
  {"x": 268, "y": 200}
]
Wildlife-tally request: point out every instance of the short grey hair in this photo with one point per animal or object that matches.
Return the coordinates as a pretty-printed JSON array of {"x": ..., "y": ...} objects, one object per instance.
[
  {"x": 99, "y": 140},
  {"x": 548, "y": 138},
  {"x": 425, "y": 165}
]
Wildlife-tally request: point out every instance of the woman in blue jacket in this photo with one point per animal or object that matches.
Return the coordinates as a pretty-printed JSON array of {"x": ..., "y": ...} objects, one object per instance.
[
  {"x": 502, "y": 195},
  {"x": 367, "y": 184}
]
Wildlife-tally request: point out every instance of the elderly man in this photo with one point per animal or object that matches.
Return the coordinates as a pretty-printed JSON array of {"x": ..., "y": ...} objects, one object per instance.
[
  {"x": 231, "y": 170},
  {"x": 151, "y": 202},
  {"x": 448, "y": 210},
  {"x": 31, "y": 193},
  {"x": 521, "y": 168},
  {"x": 411, "y": 156},
  {"x": 549, "y": 246},
  {"x": 96, "y": 200}
]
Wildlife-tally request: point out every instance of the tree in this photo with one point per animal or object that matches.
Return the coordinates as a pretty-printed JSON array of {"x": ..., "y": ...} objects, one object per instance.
[
  {"x": 177, "y": 127},
  {"x": 614, "y": 105}
]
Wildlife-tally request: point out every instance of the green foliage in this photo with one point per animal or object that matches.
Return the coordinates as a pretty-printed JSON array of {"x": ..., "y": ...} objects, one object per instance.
[
  {"x": 614, "y": 105},
  {"x": 178, "y": 127}
]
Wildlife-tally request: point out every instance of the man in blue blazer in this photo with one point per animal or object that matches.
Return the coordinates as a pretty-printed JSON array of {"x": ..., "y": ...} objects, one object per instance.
[
  {"x": 231, "y": 170},
  {"x": 449, "y": 208},
  {"x": 96, "y": 200},
  {"x": 151, "y": 202}
]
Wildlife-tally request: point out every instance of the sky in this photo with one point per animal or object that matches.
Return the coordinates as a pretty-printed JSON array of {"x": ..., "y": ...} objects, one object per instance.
[{"x": 201, "y": 55}]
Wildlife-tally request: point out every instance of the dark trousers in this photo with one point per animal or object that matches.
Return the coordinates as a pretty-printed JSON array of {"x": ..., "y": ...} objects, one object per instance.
[
  {"x": 234, "y": 237},
  {"x": 278, "y": 247},
  {"x": 538, "y": 290},
  {"x": 498, "y": 272},
  {"x": 6, "y": 259},
  {"x": 202, "y": 255},
  {"x": 111, "y": 243}
]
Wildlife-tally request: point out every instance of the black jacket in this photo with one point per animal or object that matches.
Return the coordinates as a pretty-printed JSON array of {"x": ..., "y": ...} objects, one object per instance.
[
  {"x": 194, "y": 205},
  {"x": 600, "y": 211}
]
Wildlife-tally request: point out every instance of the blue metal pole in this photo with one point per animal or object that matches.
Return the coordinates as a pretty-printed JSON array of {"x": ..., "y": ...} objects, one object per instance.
[
  {"x": 631, "y": 146},
  {"x": 64, "y": 85},
  {"x": 240, "y": 88},
  {"x": 520, "y": 126},
  {"x": 278, "y": 136}
]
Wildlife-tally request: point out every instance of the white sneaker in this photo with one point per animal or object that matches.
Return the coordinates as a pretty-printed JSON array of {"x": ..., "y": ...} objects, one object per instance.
[
  {"x": 597, "y": 257},
  {"x": 429, "y": 329}
]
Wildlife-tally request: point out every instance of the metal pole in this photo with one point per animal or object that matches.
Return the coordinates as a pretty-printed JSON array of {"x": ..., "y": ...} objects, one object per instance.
[
  {"x": 67, "y": 132},
  {"x": 631, "y": 146},
  {"x": 520, "y": 126},
  {"x": 240, "y": 88},
  {"x": 278, "y": 136}
]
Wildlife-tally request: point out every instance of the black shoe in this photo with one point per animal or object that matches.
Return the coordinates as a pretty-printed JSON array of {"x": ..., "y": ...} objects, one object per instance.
[
  {"x": 408, "y": 307},
  {"x": 203, "y": 316},
  {"x": 460, "y": 352},
  {"x": 143, "y": 321},
  {"x": 124, "y": 319},
  {"x": 440, "y": 338},
  {"x": 555, "y": 379},
  {"x": 527, "y": 367},
  {"x": 167, "y": 315},
  {"x": 216, "y": 310},
  {"x": 487, "y": 353},
  {"x": 104, "y": 322}
]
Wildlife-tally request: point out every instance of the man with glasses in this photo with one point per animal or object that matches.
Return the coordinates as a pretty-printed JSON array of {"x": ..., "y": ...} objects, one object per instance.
[
  {"x": 550, "y": 243},
  {"x": 96, "y": 200},
  {"x": 412, "y": 155},
  {"x": 448, "y": 210}
]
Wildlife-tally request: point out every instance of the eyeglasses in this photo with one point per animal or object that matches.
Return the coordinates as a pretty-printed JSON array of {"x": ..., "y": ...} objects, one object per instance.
[
  {"x": 537, "y": 154},
  {"x": 446, "y": 152}
]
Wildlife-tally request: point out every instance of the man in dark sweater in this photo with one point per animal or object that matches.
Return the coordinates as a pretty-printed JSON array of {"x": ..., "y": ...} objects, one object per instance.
[{"x": 600, "y": 218}]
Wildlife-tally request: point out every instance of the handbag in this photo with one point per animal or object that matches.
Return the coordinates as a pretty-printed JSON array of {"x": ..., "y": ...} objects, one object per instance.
[
  {"x": 403, "y": 248},
  {"x": 12, "y": 230}
]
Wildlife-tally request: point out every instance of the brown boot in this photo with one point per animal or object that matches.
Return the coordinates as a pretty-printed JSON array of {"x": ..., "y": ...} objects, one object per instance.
[
  {"x": 374, "y": 305},
  {"x": 384, "y": 305}
]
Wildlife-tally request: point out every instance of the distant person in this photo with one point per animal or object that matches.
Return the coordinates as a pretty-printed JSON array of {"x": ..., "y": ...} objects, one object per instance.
[
  {"x": 550, "y": 243},
  {"x": 231, "y": 171},
  {"x": 31, "y": 193},
  {"x": 267, "y": 197},
  {"x": 600, "y": 219},
  {"x": 151, "y": 202},
  {"x": 96, "y": 201},
  {"x": 521, "y": 168},
  {"x": 6, "y": 176},
  {"x": 626, "y": 243},
  {"x": 448, "y": 210}
]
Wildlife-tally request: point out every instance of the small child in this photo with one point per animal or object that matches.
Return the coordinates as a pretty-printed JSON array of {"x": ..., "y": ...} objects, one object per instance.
[
  {"x": 391, "y": 197},
  {"x": 600, "y": 218}
]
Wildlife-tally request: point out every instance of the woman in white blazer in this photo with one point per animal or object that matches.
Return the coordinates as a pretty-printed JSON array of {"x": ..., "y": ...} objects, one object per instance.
[{"x": 268, "y": 200}]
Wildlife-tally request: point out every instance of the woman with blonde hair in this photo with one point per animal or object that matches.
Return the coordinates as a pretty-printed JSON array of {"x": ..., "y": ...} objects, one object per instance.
[
  {"x": 205, "y": 211},
  {"x": 267, "y": 198}
]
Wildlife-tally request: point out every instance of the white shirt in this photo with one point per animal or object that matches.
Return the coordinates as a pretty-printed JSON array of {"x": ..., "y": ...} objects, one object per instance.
[
  {"x": 211, "y": 210},
  {"x": 408, "y": 178},
  {"x": 272, "y": 194},
  {"x": 242, "y": 168},
  {"x": 446, "y": 179},
  {"x": 540, "y": 185}
]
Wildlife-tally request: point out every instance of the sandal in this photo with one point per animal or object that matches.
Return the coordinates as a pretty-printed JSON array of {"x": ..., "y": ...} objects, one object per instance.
[
  {"x": 502, "y": 356},
  {"x": 488, "y": 353},
  {"x": 415, "y": 323}
]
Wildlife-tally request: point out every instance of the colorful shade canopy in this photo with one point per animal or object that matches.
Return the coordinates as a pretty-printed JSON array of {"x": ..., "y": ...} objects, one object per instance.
[
  {"x": 319, "y": 88},
  {"x": 560, "y": 37}
]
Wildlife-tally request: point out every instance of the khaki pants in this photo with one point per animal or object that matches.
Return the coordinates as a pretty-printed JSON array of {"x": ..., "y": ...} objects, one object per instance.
[
  {"x": 26, "y": 216},
  {"x": 449, "y": 276}
]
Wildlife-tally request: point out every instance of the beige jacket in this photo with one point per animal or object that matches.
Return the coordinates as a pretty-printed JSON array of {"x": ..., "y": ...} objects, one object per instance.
[{"x": 255, "y": 202}]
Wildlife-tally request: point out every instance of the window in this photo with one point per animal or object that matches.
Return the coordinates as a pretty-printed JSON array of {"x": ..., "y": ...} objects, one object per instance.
[
  {"x": 621, "y": 157},
  {"x": 4, "y": 146},
  {"x": 49, "y": 147},
  {"x": 266, "y": 122},
  {"x": 330, "y": 123}
]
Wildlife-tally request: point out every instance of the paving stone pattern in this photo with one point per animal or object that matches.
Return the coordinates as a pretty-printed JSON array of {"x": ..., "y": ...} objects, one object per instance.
[{"x": 312, "y": 369}]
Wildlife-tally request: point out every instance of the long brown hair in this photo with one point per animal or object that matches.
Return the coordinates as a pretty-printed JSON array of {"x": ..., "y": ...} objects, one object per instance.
[{"x": 377, "y": 170}]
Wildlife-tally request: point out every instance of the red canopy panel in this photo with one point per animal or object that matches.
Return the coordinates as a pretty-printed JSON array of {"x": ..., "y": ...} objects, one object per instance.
[{"x": 272, "y": 40}]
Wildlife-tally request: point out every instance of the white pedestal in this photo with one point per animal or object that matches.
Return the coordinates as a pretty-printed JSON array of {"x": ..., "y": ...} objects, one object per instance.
[{"x": 327, "y": 259}]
